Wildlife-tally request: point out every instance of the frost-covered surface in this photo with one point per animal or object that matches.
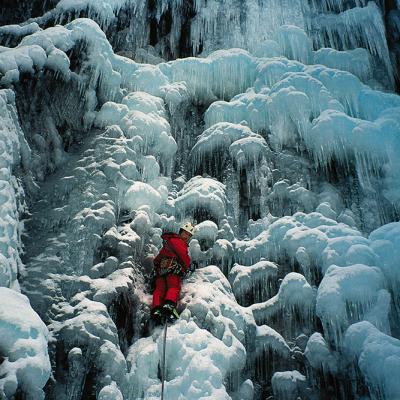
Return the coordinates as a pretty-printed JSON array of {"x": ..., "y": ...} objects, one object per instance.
[
  {"x": 209, "y": 338},
  {"x": 264, "y": 27},
  {"x": 377, "y": 356},
  {"x": 284, "y": 154},
  {"x": 11, "y": 141},
  {"x": 288, "y": 384},
  {"x": 23, "y": 343},
  {"x": 253, "y": 283},
  {"x": 25, "y": 364},
  {"x": 319, "y": 355}
]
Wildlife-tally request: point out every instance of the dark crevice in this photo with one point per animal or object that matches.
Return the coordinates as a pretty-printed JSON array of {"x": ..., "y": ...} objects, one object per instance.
[
  {"x": 153, "y": 39},
  {"x": 14, "y": 12},
  {"x": 185, "y": 46},
  {"x": 263, "y": 368},
  {"x": 249, "y": 203},
  {"x": 123, "y": 311},
  {"x": 214, "y": 164},
  {"x": 89, "y": 388},
  {"x": 392, "y": 13},
  {"x": 330, "y": 387},
  {"x": 201, "y": 214}
]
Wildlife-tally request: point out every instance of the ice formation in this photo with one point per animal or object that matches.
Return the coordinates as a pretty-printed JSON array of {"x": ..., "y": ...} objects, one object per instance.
[
  {"x": 25, "y": 361},
  {"x": 255, "y": 283},
  {"x": 281, "y": 142},
  {"x": 256, "y": 26},
  {"x": 11, "y": 141},
  {"x": 320, "y": 356},
  {"x": 346, "y": 295},
  {"x": 204, "y": 194},
  {"x": 289, "y": 385},
  {"x": 209, "y": 339},
  {"x": 377, "y": 356}
]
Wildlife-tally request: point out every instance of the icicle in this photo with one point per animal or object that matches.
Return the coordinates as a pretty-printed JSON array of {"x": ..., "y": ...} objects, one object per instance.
[
  {"x": 356, "y": 27},
  {"x": 254, "y": 284},
  {"x": 345, "y": 296}
]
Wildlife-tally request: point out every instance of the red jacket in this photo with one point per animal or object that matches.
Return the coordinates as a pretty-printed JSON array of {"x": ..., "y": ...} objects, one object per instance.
[{"x": 173, "y": 246}]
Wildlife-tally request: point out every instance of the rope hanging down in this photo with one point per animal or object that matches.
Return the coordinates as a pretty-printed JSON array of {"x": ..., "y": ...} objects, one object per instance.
[{"x": 163, "y": 359}]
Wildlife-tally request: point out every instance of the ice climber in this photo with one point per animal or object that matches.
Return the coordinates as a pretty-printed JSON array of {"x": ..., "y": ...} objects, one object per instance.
[{"x": 170, "y": 265}]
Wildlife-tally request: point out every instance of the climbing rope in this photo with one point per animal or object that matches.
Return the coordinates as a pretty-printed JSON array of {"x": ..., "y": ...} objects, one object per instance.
[{"x": 163, "y": 359}]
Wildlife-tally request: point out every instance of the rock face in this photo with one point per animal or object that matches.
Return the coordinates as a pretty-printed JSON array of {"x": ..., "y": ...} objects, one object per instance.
[{"x": 277, "y": 142}]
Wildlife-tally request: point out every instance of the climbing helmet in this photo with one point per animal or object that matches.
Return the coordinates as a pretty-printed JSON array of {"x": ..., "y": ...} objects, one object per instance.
[{"x": 188, "y": 227}]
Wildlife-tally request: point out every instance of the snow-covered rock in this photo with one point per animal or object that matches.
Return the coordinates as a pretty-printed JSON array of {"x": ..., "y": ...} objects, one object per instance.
[{"x": 25, "y": 362}]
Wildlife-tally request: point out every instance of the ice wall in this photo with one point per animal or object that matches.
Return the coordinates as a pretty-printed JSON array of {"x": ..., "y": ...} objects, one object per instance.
[
  {"x": 170, "y": 29},
  {"x": 25, "y": 364},
  {"x": 286, "y": 157}
]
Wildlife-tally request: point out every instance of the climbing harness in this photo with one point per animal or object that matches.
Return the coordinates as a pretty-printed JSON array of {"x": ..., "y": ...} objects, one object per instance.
[
  {"x": 163, "y": 357},
  {"x": 171, "y": 265}
]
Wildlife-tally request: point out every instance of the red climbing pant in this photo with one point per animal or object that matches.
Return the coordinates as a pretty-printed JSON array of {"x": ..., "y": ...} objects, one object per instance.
[{"x": 167, "y": 288}]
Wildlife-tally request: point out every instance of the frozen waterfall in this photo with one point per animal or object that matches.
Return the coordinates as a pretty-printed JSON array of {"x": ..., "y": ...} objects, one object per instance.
[{"x": 274, "y": 126}]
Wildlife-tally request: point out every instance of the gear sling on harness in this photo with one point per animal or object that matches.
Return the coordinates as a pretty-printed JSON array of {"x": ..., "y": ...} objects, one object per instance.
[{"x": 170, "y": 265}]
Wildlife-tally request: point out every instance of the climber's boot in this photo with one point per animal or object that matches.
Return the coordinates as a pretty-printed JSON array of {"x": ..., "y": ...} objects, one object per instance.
[
  {"x": 157, "y": 315},
  {"x": 170, "y": 311}
]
